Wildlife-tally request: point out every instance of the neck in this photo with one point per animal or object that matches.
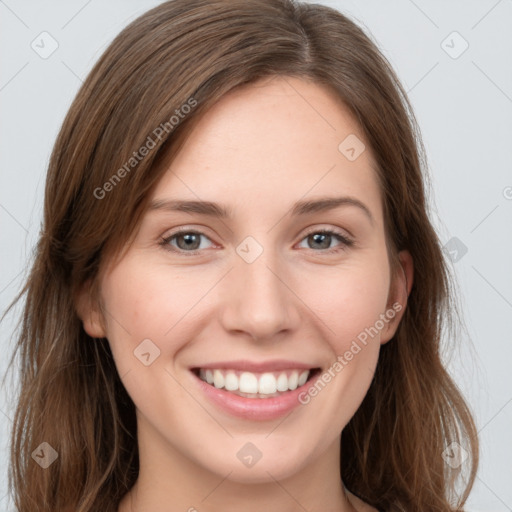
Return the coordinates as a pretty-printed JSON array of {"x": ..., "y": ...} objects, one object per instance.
[{"x": 168, "y": 481}]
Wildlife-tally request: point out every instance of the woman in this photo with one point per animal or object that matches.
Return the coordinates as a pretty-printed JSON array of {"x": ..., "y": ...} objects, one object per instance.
[{"x": 237, "y": 297}]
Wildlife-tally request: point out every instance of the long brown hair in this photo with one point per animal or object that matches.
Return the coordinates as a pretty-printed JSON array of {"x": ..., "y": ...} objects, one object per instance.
[{"x": 192, "y": 52}]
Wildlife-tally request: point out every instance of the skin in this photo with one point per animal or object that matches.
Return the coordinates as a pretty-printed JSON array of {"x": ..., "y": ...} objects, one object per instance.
[{"x": 259, "y": 150}]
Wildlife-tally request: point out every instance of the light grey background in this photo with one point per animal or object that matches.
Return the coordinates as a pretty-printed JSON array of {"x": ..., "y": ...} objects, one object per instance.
[{"x": 464, "y": 108}]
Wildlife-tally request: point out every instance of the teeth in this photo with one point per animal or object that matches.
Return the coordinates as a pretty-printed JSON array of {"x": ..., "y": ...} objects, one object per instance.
[
  {"x": 303, "y": 377},
  {"x": 282, "y": 382},
  {"x": 293, "y": 380},
  {"x": 268, "y": 384},
  {"x": 250, "y": 384},
  {"x": 231, "y": 382},
  {"x": 218, "y": 379}
]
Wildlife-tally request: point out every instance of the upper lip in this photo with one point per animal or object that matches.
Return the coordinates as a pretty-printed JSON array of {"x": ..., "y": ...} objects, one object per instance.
[{"x": 257, "y": 367}]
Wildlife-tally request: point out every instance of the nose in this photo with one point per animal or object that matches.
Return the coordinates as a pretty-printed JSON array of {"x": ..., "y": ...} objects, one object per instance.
[{"x": 258, "y": 300}]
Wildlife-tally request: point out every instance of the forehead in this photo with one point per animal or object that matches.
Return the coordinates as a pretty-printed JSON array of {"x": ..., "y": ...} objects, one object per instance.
[{"x": 270, "y": 143}]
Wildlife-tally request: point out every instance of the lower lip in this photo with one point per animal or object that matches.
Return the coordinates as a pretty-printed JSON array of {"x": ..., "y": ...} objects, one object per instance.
[{"x": 255, "y": 409}]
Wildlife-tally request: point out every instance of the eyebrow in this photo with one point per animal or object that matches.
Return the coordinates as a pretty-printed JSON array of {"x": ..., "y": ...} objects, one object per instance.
[{"x": 300, "y": 208}]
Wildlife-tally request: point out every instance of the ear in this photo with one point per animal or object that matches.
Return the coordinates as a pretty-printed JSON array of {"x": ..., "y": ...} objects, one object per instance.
[
  {"x": 89, "y": 312},
  {"x": 399, "y": 291}
]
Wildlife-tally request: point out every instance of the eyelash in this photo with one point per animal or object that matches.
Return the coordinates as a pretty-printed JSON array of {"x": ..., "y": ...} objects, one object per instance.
[{"x": 346, "y": 242}]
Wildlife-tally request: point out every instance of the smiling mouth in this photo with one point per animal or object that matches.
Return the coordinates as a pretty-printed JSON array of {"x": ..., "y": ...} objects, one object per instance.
[{"x": 256, "y": 385}]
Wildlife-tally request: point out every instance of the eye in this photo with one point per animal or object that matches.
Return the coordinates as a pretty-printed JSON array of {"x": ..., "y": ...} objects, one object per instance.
[
  {"x": 321, "y": 239},
  {"x": 185, "y": 240}
]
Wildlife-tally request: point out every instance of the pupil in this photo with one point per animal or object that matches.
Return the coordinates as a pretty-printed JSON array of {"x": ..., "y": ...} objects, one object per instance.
[
  {"x": 323, "y": 238},
  {"x": 189, "y": 239}
]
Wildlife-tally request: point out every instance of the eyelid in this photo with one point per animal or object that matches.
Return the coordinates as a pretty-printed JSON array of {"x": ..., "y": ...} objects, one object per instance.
[{"x": 331, "y": 229}]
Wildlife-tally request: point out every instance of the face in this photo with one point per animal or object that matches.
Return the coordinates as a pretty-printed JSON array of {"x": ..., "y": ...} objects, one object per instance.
[{"x": 280, "y": 289}]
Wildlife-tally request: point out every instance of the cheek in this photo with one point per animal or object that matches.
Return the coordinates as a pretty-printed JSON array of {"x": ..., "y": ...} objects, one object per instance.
[
  {"x": 349, "y": 300},
  {"x": 148, "y": 302}
]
